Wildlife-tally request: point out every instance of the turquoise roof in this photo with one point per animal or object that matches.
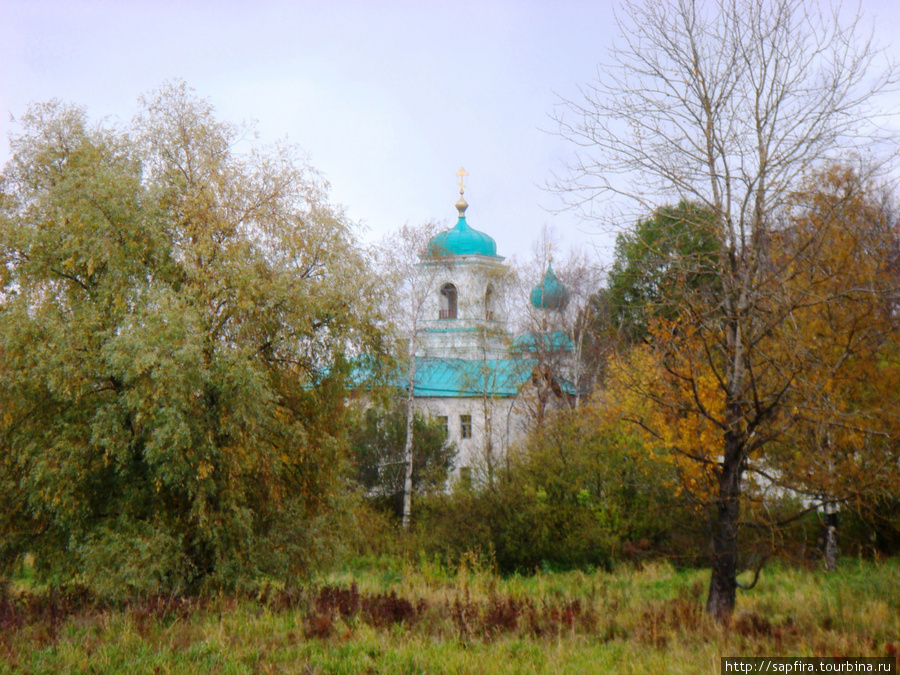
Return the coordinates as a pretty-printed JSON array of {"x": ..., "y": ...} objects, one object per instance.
[
  {"x": 550, "y": 293},
  {"x": 462, "y": 239},
  {"x": 557, "y": 341},
  {"x": 460, "y": 378}
]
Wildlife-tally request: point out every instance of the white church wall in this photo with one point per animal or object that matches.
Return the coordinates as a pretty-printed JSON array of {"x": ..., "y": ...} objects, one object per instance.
[
  {"x": 471, "y": 275},
  {"x": 478, "y": 330},
  {"x": 495, "y": 425}
]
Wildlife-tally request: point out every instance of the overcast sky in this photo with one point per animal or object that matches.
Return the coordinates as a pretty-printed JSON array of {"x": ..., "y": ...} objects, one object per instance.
[{"x": 388, "y": 98}]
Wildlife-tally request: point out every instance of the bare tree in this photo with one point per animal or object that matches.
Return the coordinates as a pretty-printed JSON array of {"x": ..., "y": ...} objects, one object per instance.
[
  {"x": 489, "y": 378},
  {"x": 727, "y": 103},
  {"x": 410, "y": 284},
  {"x": 556, "y": 293}
]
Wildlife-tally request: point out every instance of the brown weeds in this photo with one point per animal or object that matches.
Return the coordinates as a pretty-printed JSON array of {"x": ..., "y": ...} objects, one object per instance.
[
  {"x": 500, "y": 615},
  {"x": 45, "y": 610},
  {"x": 660, "y": 622},
  {"x": 486, "y": 610},
  {"x": 381, "y": 610}
]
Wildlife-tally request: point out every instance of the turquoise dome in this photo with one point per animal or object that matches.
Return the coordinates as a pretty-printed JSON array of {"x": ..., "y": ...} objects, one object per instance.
[
  {"x": 462, "y": 239},
  {"x": 550, "y": 293}
]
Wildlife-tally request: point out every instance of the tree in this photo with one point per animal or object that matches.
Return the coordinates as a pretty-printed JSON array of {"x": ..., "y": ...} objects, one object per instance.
[
  {"x": 409, "y": 284},
  {"x": 727, "y": 104},
  {"x": 555, "y": 326},
  {"x": 845, "y": 404},
  {"x": 378, "y": 439},
  {"x": 177, "y": 326},
  {"x": 668, "y": 255}
]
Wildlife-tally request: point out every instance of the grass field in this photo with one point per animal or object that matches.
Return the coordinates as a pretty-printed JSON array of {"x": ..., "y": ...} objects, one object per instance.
[{"x": 388, "y": 616}]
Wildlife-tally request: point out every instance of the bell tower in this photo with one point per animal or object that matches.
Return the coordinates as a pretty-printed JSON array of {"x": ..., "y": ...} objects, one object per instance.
[{"x": 465, "y": 316}]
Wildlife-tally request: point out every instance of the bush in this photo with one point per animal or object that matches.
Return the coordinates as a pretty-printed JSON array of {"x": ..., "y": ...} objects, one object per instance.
[
  {"x": 377, "y": 442},
  {"x": 580, "y": 493}
]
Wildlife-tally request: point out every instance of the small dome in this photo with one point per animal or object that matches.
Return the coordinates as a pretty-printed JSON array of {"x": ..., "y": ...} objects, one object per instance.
[
  {"x": 550, "y": 293},
  {"x": 462, "y": 239}
]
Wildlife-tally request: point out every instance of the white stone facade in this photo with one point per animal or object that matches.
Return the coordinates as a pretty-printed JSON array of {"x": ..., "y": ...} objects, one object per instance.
[
  {"x": 483, "y": 429},
  {"x": 475, "y": 328},
  {"x": 465, "y": 319}
]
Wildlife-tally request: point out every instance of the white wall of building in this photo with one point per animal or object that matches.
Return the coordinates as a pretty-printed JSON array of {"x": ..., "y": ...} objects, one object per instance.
[{"x": 497, "y": 424}]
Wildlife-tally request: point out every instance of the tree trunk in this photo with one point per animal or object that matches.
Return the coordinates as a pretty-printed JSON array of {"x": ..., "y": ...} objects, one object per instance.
[
  {"x": 408, "y": 456},
  {"x": 723, "y": 583},
  {"x": 831, "y": 540}
]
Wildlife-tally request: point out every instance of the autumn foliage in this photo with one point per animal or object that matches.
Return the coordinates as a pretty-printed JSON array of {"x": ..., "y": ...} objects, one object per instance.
[
  {"x": 819, "y": 425},
  {"x": 176, "y": 322}
]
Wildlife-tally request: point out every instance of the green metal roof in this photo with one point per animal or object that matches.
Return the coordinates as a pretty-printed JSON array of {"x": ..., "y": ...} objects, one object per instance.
[
  {"x": 462, "y": 239},
  {"x": 460, "y": 378},
  {"x": 557, "y": 341},
  {"x": 550, "y": 293}
]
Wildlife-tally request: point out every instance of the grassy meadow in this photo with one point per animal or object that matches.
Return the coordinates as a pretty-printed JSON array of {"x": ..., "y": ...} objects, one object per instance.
[{"x": 390, "y": 616}]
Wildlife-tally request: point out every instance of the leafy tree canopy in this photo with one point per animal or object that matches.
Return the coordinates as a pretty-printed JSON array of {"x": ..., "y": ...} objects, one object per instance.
[
  {"x": 664, "y": 259},
  {"x": 176, "y": 323},
  {"x": 378, "y": 439}
]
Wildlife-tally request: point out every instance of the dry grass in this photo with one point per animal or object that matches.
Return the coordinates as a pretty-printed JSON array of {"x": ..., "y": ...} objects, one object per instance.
[{"x": 401, "y": 617}]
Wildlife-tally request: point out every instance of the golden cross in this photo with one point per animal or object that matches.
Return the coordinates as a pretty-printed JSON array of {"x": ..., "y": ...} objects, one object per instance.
[{"x": 461, "y": 173}]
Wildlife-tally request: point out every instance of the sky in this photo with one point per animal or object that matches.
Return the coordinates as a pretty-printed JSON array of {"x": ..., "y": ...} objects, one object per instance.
[{"x": 388, "y": 98}]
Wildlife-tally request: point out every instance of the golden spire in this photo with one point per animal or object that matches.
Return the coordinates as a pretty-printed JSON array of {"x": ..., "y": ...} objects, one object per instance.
[{"x": 461, "y": 204}]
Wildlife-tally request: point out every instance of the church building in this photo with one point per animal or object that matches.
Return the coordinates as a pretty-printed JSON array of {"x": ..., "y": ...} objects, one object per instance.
[{"x": 470, "y": 372}]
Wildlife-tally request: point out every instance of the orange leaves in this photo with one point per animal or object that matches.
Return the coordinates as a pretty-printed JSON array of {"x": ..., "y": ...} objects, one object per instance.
[
  {"x": 842, "y": 329},
  {"x": 790, "y": 368},
  {"x": 673, "y": 415}
]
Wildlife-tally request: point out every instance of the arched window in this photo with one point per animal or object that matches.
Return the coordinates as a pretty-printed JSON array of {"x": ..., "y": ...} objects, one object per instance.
[
  {"x": 448, "y": 302},
  {"x": 489, "y": 303}
]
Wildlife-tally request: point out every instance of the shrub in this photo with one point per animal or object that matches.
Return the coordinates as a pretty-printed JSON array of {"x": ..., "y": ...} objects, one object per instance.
[{"x": 579, "y": 493}]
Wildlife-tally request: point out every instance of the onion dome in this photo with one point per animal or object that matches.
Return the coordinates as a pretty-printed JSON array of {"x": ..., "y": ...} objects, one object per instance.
[
  {"x": 550, "y": 293},
  {"x": 462, "y": 239}
]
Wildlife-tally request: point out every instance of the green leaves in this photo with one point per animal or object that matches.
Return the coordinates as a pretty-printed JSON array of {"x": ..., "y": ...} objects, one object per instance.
[
  {"x": 175, "y": 323},
  {"x": 666, "y": 258},
  {"x": 377, "y": 441}
]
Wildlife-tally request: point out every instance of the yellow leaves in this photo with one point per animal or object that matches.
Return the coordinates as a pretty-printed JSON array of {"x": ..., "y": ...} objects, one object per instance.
[
  {"x": 673, "y": 404},
  {"x": 204, "y": 469}
]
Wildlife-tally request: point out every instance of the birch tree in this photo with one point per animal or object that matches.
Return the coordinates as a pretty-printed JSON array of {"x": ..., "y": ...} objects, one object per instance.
[
  {"x": 410, "y": 283},
  {"x": 726, "y": 104}
]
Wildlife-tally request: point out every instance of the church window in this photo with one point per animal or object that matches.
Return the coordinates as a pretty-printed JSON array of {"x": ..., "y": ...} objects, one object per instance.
[
  {"x": 465, "y": 426},
  {"x": 448, "y": 302},
  {"x": 443, "y": 421}
]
